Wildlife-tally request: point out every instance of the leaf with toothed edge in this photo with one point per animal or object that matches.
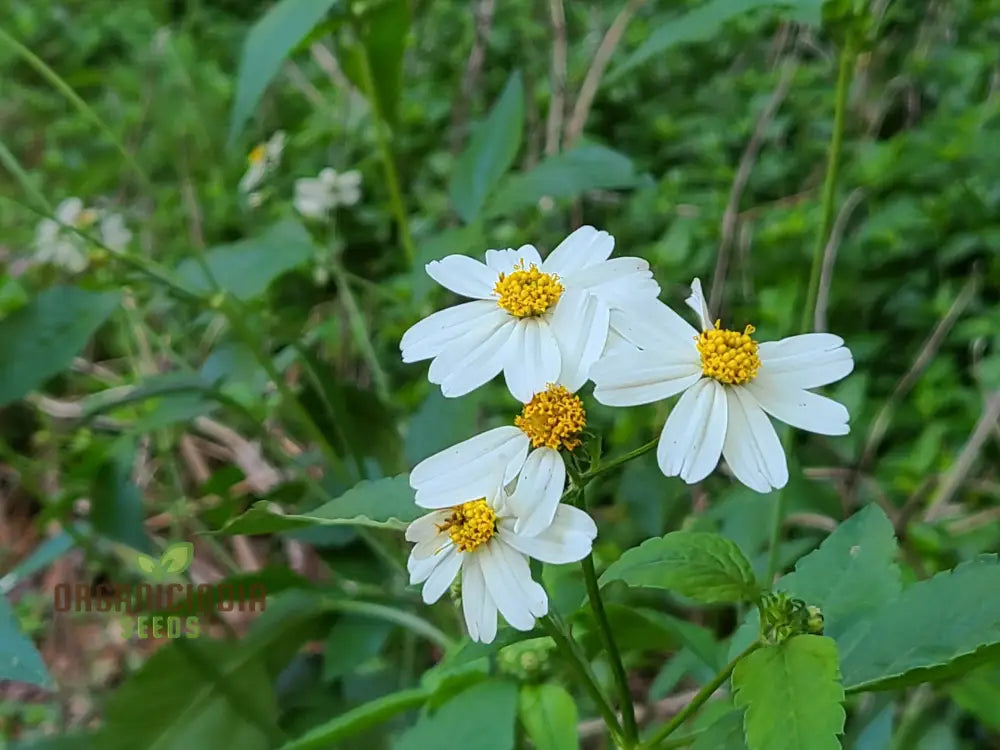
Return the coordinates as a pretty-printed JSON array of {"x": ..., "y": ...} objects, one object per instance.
[{"x": 379, "y": 503}]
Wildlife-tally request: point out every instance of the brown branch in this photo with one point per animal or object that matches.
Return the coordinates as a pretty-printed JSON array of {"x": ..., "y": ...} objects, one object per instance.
[
  {"x": 830, "y": 257},
  {"x": 747, "y": 160},
  {"x": 592, "y": 81},
  {"x": 557, "y": 107},
  {"x": 473, "y": 70}
]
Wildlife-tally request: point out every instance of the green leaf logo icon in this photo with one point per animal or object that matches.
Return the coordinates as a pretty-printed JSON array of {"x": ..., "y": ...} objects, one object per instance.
[{"x": 175, "y": 560}]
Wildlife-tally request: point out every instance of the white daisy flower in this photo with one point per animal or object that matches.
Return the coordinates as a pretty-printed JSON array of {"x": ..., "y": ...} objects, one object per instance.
[
  {"x": 114, "y": 234},
  {"x": 58, "y": 246},
  {"x": 261, "y": 162},
  {"x": 730, "y": 384},
  {"x": 478, "y": 536},
  {"x": 539, "y": 322},
  {"x": 315, "y": 197},
  {"x": 553, "y": 419}
]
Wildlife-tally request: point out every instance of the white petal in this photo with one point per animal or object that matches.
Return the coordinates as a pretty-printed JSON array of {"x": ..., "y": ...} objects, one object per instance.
[
  {"x": 477, "y": 605},
  {"x": 697, "y": 303},
  {"x": 752, "y": 448},
  {"x": 806, "y": 361},
  {"x": 472, "y": 469},
  {"x": 641, "y": 377},
  {"x": 580, "y": 324},
  {"x": 799, "y": 408},
  {"x": 421, "y": 568},
  {"x": 463, "y": 275},
  {"x": 650, "y": 324},
  {"x": 533, "y": 359},
  {"x": 619, "y": 281},
  {"x": 539, "y": 489},
  {"x": 464, "y": 366},
  {"x": 425, "y": 527},
  {"x": 691, "y": 441},
  {"x": 508, "y": 579},
  {"x": 567, "y": 539},
  {"x": 445, "y": 572},
  {"x": 428, "y": 337},
  {"x": 68, "y": 210},
  {"x": 583, "y": 247},
  {"x": 502, "y": 261},
  {"x": 459, "y": 349}
]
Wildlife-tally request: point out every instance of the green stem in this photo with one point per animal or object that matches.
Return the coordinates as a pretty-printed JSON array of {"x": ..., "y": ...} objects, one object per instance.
[
  {"x": 615, "y": 462},
  {"x": 67, "y": 91},
  {"x": 361, "y": 335},
  {"x": 400, "y": 617},
  {"x": 844, "y": 70},
  {"x": 579, "y": 664},
  {"x": 388, "y": 160},
  {"x": 611, "y": 647},
  {"x": 703, "y": 695}
]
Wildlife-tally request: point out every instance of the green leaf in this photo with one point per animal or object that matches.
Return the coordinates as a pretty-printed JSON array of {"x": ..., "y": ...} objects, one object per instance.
[
  {"x": 851, "y": 574},
  {"x": 703, "y": 22},
  {"x": 381, "y": 35},
  {"x": 19, "y": 659},
  {"x": 724, "y": 734},
  {"x": 480, "y": 718},
  {"x": 979, "y": 693},
  {"x": 267, "y": 45},
  {"x": 792, "y": 695},
  {"x": 490, "y": 153},
  {"x": 567, "y": 175},
  {"x": 381, "y": 503},
  {"x": 359, "y": 719},
  {"x": 177, "y": 557},
  {"x": 353, "y": 641},
  {"x": 41, "y": 338},
  {"x": 247, "y": 268},
  {"x": 116, "y": 509},
  {"x": 705, "y": 567},
  {"x": 937, "y": 628},
  {"x": 204, "y": 693},
  {"x": 147, "y": 564},
  {"x": 549, "y": 716}
]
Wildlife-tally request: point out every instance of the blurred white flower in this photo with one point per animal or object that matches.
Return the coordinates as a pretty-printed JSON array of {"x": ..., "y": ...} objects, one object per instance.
[
  {"x": 480, "y": 535},
  {"x": 114, "y": 233},
  {"x": 730, "y": 383},
  {"x": 315, "y": 197},
  {"x": 58, "y": 246},
  {"x": 538, "y": 322},
  {"x": 261, "y": 163}
]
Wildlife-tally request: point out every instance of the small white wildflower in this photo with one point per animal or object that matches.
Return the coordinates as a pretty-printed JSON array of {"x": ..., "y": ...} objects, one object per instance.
[
  {"x": 261, "y": 163},
  {"x": 58, "y": 246},
  {"x": 315, "y": 197},
  {"x": 114, "y": 234}
]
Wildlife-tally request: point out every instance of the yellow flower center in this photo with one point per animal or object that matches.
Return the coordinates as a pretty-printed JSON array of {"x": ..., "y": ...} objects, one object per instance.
[
  {"x": 471, "y": 524},
  {"x": 85, "y": 218},
  {"x": 527, "y": 292},
  {"x": 554, "y": 418},
  {"x": 728, "y": 356},
  {"x": 259, "y": 154}
]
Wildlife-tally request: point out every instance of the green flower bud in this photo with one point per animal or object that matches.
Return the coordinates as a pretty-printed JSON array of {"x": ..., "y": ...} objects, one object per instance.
[{"x": 528, "y": 661}]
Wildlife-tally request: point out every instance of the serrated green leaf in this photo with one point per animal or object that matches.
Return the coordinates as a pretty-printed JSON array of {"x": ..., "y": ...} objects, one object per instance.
[
  {"x": 269, "y": 42},
  {"x": 246, "y": 268},
  {"x": 480, "y": 718},
  {"x": 41, "y": 338},
  {"x": 568, "y": 175},
  {"x": 705, "y": 567},
  {"x": 380, "y": 503},
  {"x": 792, "y": 695},
  {"x": 703, "y": 22},
  {"x": 549, "y": 716},
  {"x": 177, "y": 557},
  {"x": 939, "y": 627},
  {"x": 19, "y": 659},
  {"x": 490, "y": 152},
  {"x": 851, "y": 574}
]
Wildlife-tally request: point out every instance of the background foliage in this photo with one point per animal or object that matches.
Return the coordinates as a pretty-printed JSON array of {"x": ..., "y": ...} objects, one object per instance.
[{"x": 234, "y": 379}]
